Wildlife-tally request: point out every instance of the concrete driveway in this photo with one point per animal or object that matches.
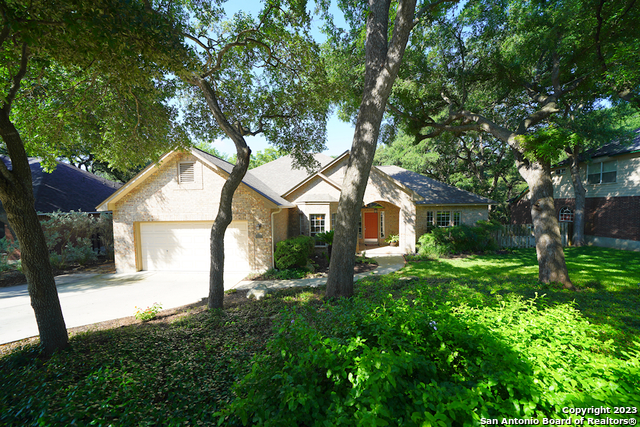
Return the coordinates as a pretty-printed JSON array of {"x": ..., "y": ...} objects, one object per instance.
[{"x": 92, "y": 298}]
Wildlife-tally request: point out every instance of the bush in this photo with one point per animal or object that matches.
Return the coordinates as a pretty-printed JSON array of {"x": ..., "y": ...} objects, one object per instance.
[
  {"x": 383, "y": 359},
  {"x": 69, "y": 237},
  {"x": 294, "y": 252},
  {"x": 7, "y": 248},
  {"x": 461, "y": 238}
]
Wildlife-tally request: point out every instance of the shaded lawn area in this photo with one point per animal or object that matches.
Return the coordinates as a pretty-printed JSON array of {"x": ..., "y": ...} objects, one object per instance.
[
  {"x": 609, "y": 282},
  {"x": 444, "y": 342}
]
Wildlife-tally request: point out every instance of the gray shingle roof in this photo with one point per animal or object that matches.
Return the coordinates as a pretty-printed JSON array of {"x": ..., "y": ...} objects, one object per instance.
[
  {"x": 613, "y": 149},
  {"x": 249, "y": 179},
  {"x": 66, "y": 188},
  {"x": 280, "y": 174},
  {"x": 434, "y": 192}
]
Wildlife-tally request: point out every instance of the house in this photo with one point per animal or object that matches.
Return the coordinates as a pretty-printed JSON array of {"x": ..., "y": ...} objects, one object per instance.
[
  {"x": 611, "y": 178},
  {"x": 162, "y": 217},
  {"x": 65, "y": 189}
]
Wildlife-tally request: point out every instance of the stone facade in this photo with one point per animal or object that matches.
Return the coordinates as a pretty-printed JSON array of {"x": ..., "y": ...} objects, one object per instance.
[
  {"x": 469, "y": 215},
  {"x": 160, "y": 197}
]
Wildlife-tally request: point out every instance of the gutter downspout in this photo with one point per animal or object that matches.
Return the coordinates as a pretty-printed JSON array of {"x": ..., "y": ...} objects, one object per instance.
[{"x": 273, "y": 240}]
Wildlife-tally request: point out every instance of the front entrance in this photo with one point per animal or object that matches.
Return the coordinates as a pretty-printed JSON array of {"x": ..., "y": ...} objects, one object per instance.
[{"x": 371, "y": 227}]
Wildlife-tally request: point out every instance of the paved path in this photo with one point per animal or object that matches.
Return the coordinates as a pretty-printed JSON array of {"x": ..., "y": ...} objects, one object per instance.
[{"x": 92, "y": 298}]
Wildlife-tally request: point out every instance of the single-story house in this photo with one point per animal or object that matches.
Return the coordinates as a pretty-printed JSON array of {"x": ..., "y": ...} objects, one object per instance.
[
  {"x": 162, "y": 217},
  {"x": 65, "y": 189},
  {"x": 611, "y": 178}
]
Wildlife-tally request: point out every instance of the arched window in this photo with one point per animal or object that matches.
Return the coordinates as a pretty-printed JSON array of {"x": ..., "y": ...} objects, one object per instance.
[{"x": 566, "y": 214}]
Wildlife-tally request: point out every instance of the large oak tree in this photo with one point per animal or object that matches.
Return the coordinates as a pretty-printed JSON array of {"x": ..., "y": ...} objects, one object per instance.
[
  {"x": 249, "y": 76},
  {"x": 510, "y": 68},
  {"x": 73, "y": 73}
]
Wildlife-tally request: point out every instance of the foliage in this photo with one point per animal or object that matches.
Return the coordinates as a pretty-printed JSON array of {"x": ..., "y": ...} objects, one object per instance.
[
  {"x": 493, "y": 346},
  {"x": 458, "y": 239},
  {"x": 148, "y": 313},
  {"x": 69, "y": 237},
  {"x": 326, "y": 237},
  {"x": 395, "y": 355},
  {"x": 392, "y": 238},
  {"x": 7, "y": 247},
  {"x": 293, "y": 252},
  {"x": 287, "y": 274}
]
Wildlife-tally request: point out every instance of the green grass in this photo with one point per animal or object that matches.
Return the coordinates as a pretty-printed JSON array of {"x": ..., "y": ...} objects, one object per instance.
[
  {"x": 443, "y": 342},
  {"x": 609, "y": 282}
]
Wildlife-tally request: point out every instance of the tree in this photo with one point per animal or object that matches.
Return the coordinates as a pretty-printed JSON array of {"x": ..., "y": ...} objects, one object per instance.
[
  {"x": 508, "y": 69},
  {"x": 253, "y": 76},
  {"x": 70, "y": 71},
  {"x": 384, "y": 48}
]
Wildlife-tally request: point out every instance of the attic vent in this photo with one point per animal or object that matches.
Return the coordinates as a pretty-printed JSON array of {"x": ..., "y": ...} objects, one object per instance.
[{"x": 187, "y": 172}]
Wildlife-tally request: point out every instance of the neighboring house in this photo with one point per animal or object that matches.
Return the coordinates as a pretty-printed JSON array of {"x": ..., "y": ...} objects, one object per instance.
[
  {"x": 65, "y": 189},
  {"x": 162, "y": 217},
  {"x": 611, "y": 178}
]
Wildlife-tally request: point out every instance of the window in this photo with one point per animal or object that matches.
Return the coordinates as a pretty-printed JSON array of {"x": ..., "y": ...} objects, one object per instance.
[
  {"x": 456, "y": 218},
  {"x": 186, "y": 172},
  {"x": 360, "y": 226},
  {"x": 602, "y": 172},
  {"x": 443, "y": 219},
  {"x": 381, "y": 224},
  {"x": 559, "y": 171},
  {"x": 333, "y": 220},
  {"x": 429, "y": 218},
  {"x": 566, "y": 214},
  {"x": 303, "y": 229},
  {"x": 317, "y": 223}
]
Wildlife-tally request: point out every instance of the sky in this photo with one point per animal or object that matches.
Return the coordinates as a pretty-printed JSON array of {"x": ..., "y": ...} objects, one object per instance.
[{"x": 339, "y": 133}]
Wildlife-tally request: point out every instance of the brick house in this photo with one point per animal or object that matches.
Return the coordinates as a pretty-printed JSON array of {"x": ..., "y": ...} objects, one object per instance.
[
  {"x": 163, "y": 216},
  {"x": 611, "y": 178}
]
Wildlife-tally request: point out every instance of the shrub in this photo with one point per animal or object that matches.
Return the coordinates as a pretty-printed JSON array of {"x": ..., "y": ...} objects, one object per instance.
[
  {"x": 392, "y": 360},
  {"x": 461, "y": 238},
  {"x": 148, "y": 313},
  {"x": 294, "y": 252},
  {"x": 7, "y": 248},
  {"x": 69, "y": 237}
]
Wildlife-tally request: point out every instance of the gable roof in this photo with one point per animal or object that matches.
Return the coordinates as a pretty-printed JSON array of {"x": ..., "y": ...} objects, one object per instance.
[
  {"x": 66, "y": 188},
  {"x": 249, "y": 180},
  {"x": 434, "y": 192},
  {"x": 280, "y": 175}
]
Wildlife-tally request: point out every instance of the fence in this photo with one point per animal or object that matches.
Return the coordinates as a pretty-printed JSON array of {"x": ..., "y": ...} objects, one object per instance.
[{"x": 521, "y": 236}]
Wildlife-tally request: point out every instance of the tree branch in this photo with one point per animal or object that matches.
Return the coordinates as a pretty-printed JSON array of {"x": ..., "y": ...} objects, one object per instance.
[
  {"x": 428, "y": 8},
  {"x": 17, "y": 79}
]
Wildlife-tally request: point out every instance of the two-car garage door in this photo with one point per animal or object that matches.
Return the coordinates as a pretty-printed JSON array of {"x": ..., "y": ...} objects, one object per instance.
[{"x": 184, "y": 246}]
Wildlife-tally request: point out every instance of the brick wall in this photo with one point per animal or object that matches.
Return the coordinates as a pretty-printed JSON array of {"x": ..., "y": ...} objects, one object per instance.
[{"x": 614, "y": 217}]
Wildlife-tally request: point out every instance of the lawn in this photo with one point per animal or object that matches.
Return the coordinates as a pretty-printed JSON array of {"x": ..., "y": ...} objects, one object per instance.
[{"x": 446, "y": 342}]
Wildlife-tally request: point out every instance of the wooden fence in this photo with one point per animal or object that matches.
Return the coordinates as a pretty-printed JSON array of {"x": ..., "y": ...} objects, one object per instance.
[{"x": 521, "y": 236}]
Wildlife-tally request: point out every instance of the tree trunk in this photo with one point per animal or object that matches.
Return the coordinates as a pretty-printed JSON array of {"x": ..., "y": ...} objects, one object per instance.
[
  {"x": 224, "y": 216},
  {"x": 551, "y": 263},
  {"x": 580, "y": 194},
  {"x": 382, "y": 66},
  {"x": 16, "y": 194}
]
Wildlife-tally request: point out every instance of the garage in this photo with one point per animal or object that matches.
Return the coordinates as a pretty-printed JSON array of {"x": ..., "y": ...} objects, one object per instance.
[{"x": 184, "y": 246}]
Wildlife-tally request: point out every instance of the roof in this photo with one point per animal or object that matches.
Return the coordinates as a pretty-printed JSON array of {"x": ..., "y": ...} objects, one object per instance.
[
  {"x": 615, "y": 148},
  {"x": 434, "y": 192},
  {"x": 280, "y": 175},
  {"x": 66, "y": 188},
  {"x": 250, "y": 180}
]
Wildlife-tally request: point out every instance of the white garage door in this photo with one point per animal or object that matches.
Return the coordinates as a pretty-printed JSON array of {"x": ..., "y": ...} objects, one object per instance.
[{"x": 184, "y": 246}]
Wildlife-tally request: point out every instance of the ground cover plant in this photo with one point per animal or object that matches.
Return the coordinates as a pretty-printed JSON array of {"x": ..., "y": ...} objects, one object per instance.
[{"x": 418, "y": 347}]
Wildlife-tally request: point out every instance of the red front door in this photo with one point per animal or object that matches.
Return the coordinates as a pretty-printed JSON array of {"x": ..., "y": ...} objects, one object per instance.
[{"x": 371, "y": 225}]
